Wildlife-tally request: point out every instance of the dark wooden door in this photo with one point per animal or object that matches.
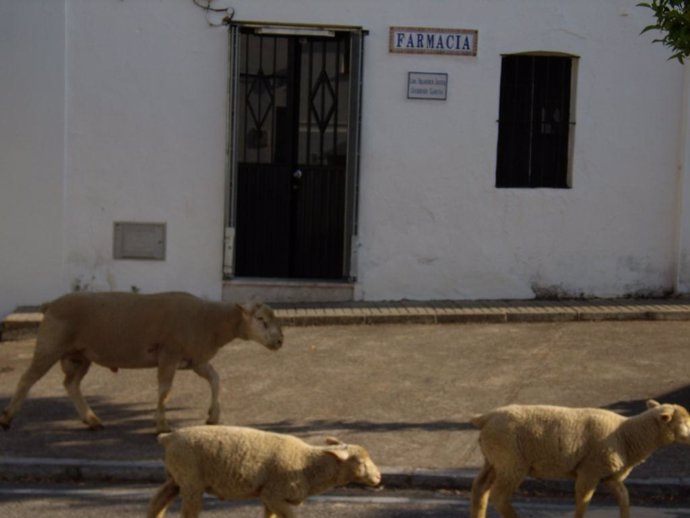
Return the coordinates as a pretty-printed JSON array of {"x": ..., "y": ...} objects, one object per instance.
[{"x": 292, "y": 126}]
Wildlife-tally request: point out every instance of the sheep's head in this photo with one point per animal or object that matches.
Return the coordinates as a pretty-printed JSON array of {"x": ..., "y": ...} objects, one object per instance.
[
  {"x": 356, "y": 462},
  {"x": 675, "y": 421},
  {"x": 260, "y": 325}
]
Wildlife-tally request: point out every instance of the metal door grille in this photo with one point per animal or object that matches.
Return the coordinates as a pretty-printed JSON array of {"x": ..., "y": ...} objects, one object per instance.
[
  {"x": 262, "y": 98},
  {"x": 295, "y": 154}
]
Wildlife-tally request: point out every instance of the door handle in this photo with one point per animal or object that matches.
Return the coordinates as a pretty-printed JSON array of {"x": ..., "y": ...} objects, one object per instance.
[{"x": 297, "y": 174}]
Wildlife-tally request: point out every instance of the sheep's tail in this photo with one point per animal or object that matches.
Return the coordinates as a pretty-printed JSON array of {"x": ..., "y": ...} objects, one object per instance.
[
  {"x": 162, "y": 499},
  {"x": 480, "y": 420}
]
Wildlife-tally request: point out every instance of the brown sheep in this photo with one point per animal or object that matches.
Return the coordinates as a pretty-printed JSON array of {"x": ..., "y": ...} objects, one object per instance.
[
  {"x": 128, "y": 330},
  {"x": 587, "y": 444},
  {"x": 235, "y": 463}
]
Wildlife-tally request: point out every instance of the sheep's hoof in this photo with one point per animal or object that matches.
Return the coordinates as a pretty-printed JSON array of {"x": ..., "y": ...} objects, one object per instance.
[
  {"x": 94, "y": 424},
  {"x": 5, "y": 421},
  {"x": 163, "y": 429}
]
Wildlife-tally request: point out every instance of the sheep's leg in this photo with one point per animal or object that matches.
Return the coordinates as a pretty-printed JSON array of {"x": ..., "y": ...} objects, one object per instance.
[
  {"x": 584, "y": 491},
  {"x": 279, "y": 509},
  {"x": 166, "y": 373},
  {"x": 505, "y": 484},
  {"x": 40, "y": 364},
  {"x": 192, "y": 503},
  {"x": 206, "y": 371},
  {"x": 481, "y": 488},
  {"x": 75, "y": 368},
  {"x": 162, "y": 499},
  {"x": 619, "y": 490}
]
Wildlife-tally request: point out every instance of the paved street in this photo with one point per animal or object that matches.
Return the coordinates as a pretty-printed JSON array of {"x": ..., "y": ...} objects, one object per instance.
[{"x": 404, "y": 391}]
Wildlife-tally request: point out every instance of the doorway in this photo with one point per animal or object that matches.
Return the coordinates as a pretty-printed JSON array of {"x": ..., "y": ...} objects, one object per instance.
[{"x": 294, "y": 152}]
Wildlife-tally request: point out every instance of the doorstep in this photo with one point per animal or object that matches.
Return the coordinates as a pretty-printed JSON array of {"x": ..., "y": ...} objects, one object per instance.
[{"x": 287, "y": 291}]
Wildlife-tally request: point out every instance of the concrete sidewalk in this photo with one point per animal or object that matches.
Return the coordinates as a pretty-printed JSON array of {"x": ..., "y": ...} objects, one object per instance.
[{"x": 404, "y": 391}]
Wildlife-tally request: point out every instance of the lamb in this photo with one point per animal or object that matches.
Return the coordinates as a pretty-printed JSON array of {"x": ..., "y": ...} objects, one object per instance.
[
  {"x": 129, "y": 330},
  {"x": 235, "y": 463},
  {"x": 587, "y": 444}
]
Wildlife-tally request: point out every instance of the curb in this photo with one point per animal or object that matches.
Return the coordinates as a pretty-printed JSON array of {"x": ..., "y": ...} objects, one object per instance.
[
  {"x": 443, "y": 312},
  {"x": 483, "y": 312},
  {"x": 80, "y": 470},
  {"x": 84, "y": 470}
]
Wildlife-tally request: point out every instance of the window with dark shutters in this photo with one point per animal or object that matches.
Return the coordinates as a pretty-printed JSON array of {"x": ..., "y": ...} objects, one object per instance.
[{"x": 534, "y": 121}]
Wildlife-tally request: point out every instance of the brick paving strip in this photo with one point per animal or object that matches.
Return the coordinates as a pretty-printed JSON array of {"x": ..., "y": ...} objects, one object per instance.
[
  {"x": 444, "y": 312},
  {"x": 448, "y": 312}
]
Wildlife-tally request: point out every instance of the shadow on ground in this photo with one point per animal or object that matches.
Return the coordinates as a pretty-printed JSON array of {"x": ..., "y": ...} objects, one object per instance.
[
  {"x": 50, "y": 427},
  {"x": 680, "y": 396},
  {"x": 291, "y": 427}
]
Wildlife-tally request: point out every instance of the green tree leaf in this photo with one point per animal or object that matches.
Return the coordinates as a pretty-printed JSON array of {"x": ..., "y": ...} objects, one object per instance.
[{"x": 673, "y": 21}]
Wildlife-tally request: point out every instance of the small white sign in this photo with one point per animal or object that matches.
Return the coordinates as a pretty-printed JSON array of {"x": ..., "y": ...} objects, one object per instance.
[{"x": 425, "y": 85}]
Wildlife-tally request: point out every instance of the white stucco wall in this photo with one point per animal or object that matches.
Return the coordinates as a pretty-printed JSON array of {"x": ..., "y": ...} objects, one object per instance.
[
  {"x": 32, "y": 50},
  {"x": 141, "y": 89},
  {"x": 432, "y": 224},
  {"x": 146, "y": 105},
  {"x": 451, "y": 233},
  {"x": 683, "y": 193}
]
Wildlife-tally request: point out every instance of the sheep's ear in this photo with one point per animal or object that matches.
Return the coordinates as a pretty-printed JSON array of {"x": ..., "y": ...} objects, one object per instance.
[
  {"x": 248, "y": 309},
  {"x": 666, "y": 415},
  {"x": 339, "y": 453},
  {"x": 651, "y": 403},
  {"x": 333, "y": 441}
]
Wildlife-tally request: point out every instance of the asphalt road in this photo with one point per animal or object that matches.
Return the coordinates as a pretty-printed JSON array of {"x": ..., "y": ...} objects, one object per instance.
[
  {"x": 106, "y": 501},
  {"x": 405, "y": 392}
]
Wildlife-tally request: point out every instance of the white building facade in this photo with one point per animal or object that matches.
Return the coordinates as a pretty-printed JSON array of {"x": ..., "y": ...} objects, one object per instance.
[{"x": 340, "y": 150}]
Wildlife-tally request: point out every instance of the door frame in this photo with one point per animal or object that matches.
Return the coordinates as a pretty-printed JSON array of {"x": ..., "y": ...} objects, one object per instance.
[{"x": 349, "y": 262}]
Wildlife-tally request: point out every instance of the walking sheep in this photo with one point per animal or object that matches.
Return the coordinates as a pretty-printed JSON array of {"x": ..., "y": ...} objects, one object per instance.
[
  {"x": 587, "y": 444},
  {"x": 236, "y": 463},
  {"x": 128, "y": 330}
]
